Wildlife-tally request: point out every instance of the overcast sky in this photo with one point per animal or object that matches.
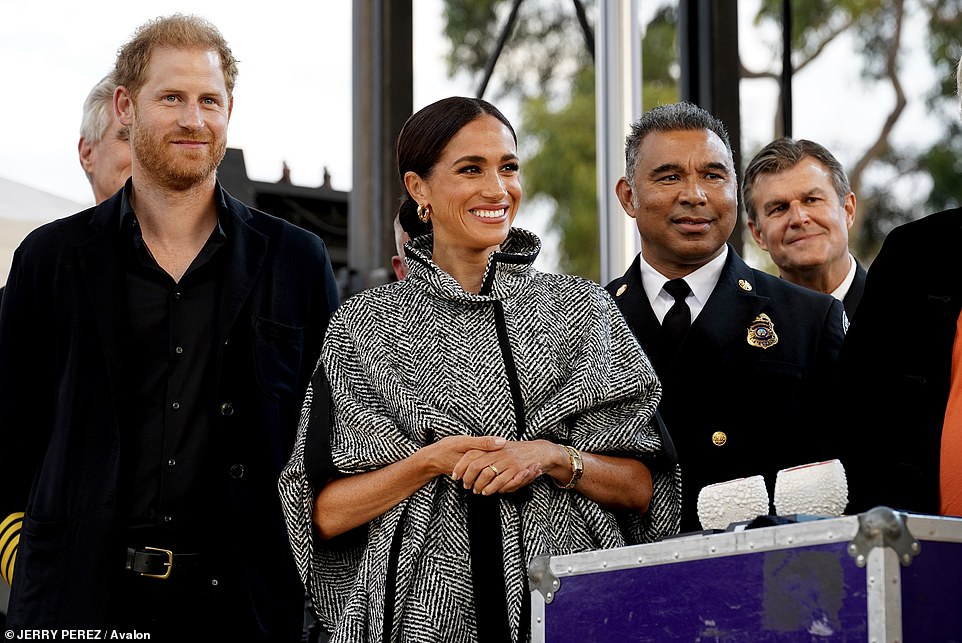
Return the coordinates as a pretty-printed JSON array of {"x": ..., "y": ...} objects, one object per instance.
[{"x": 292, "y": 101}]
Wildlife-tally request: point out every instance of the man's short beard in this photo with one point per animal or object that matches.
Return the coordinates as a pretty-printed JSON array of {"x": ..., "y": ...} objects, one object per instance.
[{"x": 172, "y": 170}]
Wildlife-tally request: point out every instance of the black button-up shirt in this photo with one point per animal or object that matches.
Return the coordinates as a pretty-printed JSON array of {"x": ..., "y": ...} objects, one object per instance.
[{"x": 168, "y": 469}]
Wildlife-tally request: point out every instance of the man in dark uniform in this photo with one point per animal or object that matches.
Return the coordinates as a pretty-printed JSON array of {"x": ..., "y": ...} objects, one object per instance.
[
  {"x": 800, "y": 208},
  {"x": 742, "y": 355},
  {"x": 154, "y": 353}
]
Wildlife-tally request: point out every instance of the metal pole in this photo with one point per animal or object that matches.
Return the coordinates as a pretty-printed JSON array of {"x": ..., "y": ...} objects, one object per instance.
[
  {"x": 787, "y": 68},
  {"x": 617, "y": 105},
  {"x": 383, "y": 99},
  {"x": 585, "y": 27},
  {"x": 498, "y": 47}
]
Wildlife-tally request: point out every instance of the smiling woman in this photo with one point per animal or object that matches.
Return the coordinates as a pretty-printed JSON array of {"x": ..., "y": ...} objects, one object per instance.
[
  {"x": 483, "y": 413},
  {"x": 471, "y": 193}
]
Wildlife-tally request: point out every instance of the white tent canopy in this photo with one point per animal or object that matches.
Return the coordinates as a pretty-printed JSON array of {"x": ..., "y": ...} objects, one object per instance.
[{"x": 23, "y": 208}]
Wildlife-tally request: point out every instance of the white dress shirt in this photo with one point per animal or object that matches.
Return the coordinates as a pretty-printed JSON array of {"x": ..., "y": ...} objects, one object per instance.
[
  {"x": 701, "y": 281},
  {"x": 842, "y": 290}
]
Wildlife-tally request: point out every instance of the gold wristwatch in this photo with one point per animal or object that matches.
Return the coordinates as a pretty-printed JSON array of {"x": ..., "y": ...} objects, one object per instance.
[{"x": 577, "y": 466}]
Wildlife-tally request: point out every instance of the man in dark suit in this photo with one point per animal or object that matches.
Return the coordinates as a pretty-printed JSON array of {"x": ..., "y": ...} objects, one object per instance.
[
  {"x": 903, "y": 358},
  {"x": 154, "y": 353},
  {"x": 800, "y": 208},
  {"x": 739, "y": 380},
  {"x": 898, "y": 358}
]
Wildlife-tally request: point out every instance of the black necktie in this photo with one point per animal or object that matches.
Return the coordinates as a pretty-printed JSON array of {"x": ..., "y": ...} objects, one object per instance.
[{"x": 678, "y": 318}]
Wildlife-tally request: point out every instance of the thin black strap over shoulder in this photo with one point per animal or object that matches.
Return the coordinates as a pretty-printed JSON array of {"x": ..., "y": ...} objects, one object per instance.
[
  {"x": 390, "y": 596},
  {"x": 318, "y": 463}
]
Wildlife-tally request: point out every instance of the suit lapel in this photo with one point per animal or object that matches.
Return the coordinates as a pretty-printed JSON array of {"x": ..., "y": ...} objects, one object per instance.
[
  {"x": 636, "y": 309},
  {"x": 854, "y": 294},
  {"x": 719, "y": 330},
  {"x": 951, "y": 284},
  {"x": 637, "y": 305},
  {"x": 248, "y": 248},
  {"x": 944, "y": 288},
  {"x": 722, "y": 326},
  {"x": 99, "y": 259}
]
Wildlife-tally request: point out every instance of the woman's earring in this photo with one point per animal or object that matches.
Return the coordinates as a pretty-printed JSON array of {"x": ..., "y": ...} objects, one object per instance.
[{"x": 424, "y": 213}]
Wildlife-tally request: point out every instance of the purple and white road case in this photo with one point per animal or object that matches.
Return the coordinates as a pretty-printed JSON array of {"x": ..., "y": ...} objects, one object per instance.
[{"x": 880, "y": 576}]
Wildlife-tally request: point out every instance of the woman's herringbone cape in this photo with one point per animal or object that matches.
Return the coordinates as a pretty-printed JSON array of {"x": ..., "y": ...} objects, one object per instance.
[{"x": 417, "y": 360}]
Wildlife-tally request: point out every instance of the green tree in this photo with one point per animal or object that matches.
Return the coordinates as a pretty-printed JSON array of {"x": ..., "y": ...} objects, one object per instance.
[
  {"x": 877, "y": 28},
  {"x": 555, "y": 84},
  {"x": 563, "y": 171},
  {"x": 546, "y": 66},
  {"x": 523, "y": 70},
  {"x": 943, "y": 162}
]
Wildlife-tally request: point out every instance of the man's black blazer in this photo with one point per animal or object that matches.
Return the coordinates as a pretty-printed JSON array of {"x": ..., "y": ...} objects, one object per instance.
[
  {"x": 854, "y": 294},
  {"x": 61, "y": 360},
  {"x": 896, "y": 364}
]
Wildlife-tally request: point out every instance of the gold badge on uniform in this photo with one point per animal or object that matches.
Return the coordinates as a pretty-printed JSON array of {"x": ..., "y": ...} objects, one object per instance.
[
  {"x": 718, "y": 438},
  {"x": 744, "y": 285},
  {"x": 762, "y": 332},
  {"x": 621, "y": 290}
]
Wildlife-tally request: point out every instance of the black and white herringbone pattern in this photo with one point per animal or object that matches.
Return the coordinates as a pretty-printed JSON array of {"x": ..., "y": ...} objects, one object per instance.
[{"x": 414, "y": 361}]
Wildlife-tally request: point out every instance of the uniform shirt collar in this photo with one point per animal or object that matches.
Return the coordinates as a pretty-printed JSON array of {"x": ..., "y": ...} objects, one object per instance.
[{"x": 702, "y": 282}]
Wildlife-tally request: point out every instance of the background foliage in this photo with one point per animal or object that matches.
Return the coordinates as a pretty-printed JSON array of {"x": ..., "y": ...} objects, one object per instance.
[{"x": 548, "y": 68}]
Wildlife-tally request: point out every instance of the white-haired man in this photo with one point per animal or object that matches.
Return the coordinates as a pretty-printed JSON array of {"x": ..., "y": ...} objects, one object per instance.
[{"x": 104, "y": 146}]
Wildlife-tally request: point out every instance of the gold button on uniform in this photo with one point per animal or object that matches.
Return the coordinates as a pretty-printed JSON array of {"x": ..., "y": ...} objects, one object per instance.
[{"x": 718, "y": 438}]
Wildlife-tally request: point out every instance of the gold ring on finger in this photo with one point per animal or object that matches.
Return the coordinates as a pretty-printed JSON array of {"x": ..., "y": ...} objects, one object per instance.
[{"x": 495, "y": 469}]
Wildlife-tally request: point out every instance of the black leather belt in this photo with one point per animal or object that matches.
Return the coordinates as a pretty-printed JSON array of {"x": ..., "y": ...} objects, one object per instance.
[{"x": 155, "y": 562}]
